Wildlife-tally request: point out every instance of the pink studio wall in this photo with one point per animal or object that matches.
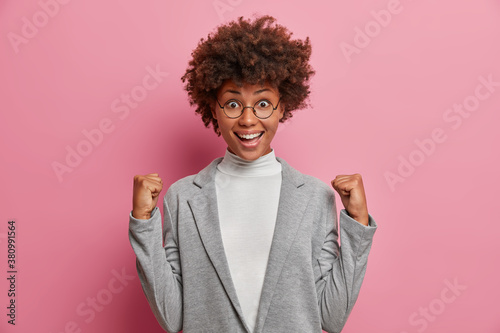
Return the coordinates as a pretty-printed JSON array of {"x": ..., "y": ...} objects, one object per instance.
[{"x": 407, "y": 93}]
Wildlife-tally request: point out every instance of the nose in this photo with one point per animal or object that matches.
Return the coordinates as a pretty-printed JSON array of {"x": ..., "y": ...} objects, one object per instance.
[{"x": 248, "y": 118}]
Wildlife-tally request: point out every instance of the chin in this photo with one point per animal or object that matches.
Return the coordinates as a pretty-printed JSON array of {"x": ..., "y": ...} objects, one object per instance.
[{"x": 249, "y": 155}]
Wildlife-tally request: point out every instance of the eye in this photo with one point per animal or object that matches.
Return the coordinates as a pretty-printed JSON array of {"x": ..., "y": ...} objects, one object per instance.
[
  {"x": 232, "y": 104},
  {"x": 263, "y": 104}
]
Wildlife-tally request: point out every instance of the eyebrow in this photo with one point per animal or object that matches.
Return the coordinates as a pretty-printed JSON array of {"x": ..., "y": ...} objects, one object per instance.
[{"x": 239, "y": 93}]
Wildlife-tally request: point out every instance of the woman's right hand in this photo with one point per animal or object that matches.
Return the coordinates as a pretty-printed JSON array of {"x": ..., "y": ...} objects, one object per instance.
[{"x": 147, "y": 190}]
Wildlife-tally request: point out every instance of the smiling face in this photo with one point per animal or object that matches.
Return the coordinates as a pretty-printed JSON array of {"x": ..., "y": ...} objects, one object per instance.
[{"x": 247, "y": 136}]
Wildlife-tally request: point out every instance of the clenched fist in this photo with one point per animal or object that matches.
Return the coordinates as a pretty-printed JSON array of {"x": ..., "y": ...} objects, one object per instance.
[
  {"x": 352, "y": 193},
  {"x": 147, "y": 189}
]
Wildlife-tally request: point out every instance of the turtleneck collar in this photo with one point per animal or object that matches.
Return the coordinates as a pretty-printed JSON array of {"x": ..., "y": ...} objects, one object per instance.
[{"x": 234, "y": 165}]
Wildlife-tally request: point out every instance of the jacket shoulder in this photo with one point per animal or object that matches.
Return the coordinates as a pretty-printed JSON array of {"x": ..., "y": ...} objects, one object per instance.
[
  {"x": 311, "y": 183},
  {"x": 319, "y": 191},
  {"x": 190, "y": 184},
  {"x": 182, "y": 184}
]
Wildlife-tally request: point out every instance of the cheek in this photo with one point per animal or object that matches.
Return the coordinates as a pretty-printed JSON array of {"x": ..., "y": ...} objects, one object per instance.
[
  {"x": 225, "y": 127},
  {"x": 272, "y": 126}
]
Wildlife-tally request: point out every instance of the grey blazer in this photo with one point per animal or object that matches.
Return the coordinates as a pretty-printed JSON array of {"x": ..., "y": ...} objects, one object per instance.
[{"x": 311, "y": 283}]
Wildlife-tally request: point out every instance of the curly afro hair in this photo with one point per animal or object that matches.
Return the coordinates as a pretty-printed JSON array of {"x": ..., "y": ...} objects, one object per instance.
[{"x": 249, "y": 52}]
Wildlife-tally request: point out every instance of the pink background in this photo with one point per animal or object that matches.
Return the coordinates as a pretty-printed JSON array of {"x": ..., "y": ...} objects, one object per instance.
[{"x": 438, "y": 223}]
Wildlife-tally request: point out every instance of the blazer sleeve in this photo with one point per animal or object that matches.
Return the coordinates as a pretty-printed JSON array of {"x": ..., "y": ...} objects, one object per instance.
[
  {"x": 158, "y": 265},
  {"x": 342, "y": 268}
]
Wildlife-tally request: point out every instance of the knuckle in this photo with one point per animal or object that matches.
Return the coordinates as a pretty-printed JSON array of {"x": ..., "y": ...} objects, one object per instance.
[
  {"x": 141, "y": 180},
  {"x": 137, "y": 179}
]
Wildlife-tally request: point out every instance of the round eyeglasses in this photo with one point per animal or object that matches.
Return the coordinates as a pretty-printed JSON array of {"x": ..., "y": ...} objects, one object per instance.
[{"x": 262, "y": 109}]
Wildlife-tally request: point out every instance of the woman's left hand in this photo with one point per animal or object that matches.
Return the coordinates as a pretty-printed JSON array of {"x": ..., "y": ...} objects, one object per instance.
[{"x": 352, "y": 193}]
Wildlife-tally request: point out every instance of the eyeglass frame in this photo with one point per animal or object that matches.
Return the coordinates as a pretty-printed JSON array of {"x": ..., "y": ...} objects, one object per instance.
[{"x": 251, "y": 107}]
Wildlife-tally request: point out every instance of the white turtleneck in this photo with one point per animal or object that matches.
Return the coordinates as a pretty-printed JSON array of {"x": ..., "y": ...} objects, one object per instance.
[{"x": 247, "y": 198}]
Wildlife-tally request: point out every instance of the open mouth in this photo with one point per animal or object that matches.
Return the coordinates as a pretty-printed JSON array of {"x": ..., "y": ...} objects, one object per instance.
[{"x": 249, "y": 138}]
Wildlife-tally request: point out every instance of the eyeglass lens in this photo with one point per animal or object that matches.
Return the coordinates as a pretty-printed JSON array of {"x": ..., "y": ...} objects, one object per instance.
[{"x": 262, "y": 109}]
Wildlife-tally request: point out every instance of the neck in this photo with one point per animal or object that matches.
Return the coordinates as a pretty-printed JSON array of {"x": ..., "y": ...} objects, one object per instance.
[{"x": 234, "y": 165}]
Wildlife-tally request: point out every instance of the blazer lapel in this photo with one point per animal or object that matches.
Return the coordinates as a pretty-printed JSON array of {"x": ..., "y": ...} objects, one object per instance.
[
  {"x": 205, "y": 212},
  {"x": 292, "y": 204}
]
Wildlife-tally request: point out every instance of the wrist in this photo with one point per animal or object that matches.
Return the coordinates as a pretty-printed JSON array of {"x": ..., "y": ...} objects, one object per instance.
[
  {"x": 363, "y": 219},
  {"x": 141, "y": 215}
]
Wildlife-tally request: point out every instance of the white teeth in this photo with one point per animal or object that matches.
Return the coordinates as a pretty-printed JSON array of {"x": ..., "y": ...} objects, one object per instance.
[{"x": 249, "y": 136}]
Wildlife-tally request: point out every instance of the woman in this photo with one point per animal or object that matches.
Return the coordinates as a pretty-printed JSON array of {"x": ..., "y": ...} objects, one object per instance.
[{"x": 250, "y": 244}]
